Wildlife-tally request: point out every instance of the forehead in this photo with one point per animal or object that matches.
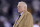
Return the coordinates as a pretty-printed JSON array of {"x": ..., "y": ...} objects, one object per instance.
[{"x": 20, "y": 4}]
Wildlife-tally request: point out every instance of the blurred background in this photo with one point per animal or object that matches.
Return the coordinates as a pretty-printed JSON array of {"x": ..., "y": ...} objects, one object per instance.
[{"x": 8, "y": 11}]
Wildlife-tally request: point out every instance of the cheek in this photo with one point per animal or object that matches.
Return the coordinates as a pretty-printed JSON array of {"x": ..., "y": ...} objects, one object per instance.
[
  {"x": 19, "y": 9},
  {"x": 22, "y": 9}
]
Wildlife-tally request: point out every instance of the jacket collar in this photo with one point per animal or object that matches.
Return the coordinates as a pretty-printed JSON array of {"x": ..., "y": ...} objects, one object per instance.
[{"x": 21, "y": 17}]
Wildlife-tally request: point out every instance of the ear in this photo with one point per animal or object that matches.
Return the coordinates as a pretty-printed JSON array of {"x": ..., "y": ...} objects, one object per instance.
[{"x": 25, "y": 8}]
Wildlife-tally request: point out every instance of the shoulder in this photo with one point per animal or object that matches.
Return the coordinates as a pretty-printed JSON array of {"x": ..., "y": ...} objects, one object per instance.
[{"x": 28, "y": 13}]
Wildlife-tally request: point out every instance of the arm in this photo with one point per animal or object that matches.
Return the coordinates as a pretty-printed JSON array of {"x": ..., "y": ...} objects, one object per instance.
[{"x": 29, "y": 20}]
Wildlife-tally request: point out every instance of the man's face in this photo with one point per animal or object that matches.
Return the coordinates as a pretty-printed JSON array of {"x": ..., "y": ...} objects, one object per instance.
[{"x": 20, "y": 8}]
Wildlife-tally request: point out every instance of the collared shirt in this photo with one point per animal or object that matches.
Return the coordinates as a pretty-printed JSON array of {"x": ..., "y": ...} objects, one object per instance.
[
  {"x": 19, "y": 17},
  {"x": 21, "y": 13}
]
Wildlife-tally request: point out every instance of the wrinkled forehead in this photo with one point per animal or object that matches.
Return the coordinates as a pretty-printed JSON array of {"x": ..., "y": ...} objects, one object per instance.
[{"x": 20, "y": 4}]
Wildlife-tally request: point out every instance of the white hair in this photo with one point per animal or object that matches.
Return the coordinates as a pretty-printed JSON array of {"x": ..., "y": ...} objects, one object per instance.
[{"x": 24, "y": 4}]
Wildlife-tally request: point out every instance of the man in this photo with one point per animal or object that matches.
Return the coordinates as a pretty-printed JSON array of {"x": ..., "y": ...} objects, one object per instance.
[
  {"x": 37, "y": 24},
  {"x": 25, "y": 19},
  {"x": 4, "y": 22}
]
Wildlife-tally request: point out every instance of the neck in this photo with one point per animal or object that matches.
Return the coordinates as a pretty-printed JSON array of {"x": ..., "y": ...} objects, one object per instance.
[{"x": 20, "y": 12}]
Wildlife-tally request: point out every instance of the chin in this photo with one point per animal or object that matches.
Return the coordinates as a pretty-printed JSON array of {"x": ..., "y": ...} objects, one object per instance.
[{"x": 19, "y": 11}]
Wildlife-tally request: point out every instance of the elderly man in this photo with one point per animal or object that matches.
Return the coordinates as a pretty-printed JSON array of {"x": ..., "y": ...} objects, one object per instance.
[
  {"x": 25, "y": 18},
  {"x": 4, "y": 22}
]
